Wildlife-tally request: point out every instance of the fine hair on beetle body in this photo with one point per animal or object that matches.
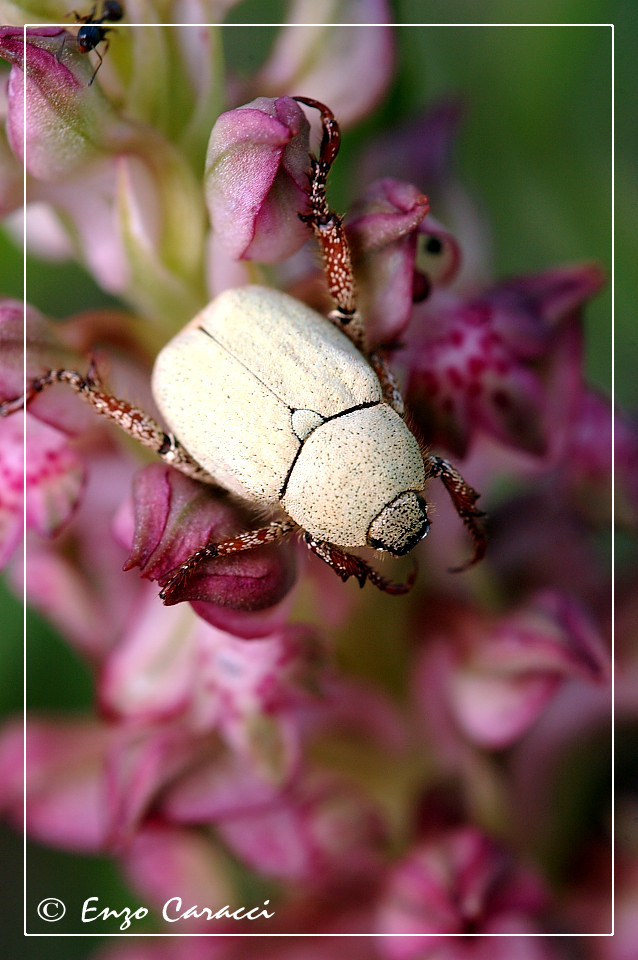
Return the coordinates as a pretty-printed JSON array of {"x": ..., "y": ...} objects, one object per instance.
[{"x": 309, "y": 428}]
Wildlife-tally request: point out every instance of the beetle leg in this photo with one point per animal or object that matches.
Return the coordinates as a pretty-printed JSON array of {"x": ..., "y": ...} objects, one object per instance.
[
  {"x": 389, "y": 386},
  {"x": 463, "y": 497},
  {"x": 348, "y": 565},
  {"x": 173, "y": 579},
  {"x": 130, "y": 419},
  {"x": 328, "y": 229}
]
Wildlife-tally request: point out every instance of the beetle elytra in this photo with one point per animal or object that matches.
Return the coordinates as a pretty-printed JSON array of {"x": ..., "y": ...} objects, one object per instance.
[{"x": 300, "y": 419}]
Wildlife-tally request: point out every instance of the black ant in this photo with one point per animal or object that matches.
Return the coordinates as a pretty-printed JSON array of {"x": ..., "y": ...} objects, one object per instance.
[{"x": 93, "y": 33}]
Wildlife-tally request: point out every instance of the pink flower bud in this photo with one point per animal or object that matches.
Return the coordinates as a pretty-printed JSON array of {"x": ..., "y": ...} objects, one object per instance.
[
  {"x": 461, "y": 883},
  {"x": 64, "y": 124},
  {"x": 11, "y": 176},
  {"x": 175, "y": 516},
  {"x": 257, "y": 179},
  {"x": 400, "y": 254},
  {"x": 382, "y": 228}
]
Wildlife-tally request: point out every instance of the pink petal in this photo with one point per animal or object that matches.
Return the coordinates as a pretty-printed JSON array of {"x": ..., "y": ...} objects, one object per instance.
[
  {"x": 551, "y": 633},
  {"x": 96, "y": 223},
  {"x": 495, "y": 676},
  {"x": 65, "y": 799},
  {"x": 386, "y": 212},
  {"x": 164, "y": 863},
  {"x": 255, "y": 692},
  {"x": 323, "y": 832},
  {"x": 59, "y": 591},
  {"x": 11, "y": 488},
  {"x": 140, "y": 762},
  {"x": 62, "y": 126},
  {"x": 54, "y": 480},
  {"x": 174, "y": 517},
  {"x": 55, "y": 476},
  {"x": 528, "y": 308},
  {"x": 510, "y": 407},
  {"x": 150, "y": 674},
  {"x": 495, "y": 712},
  {"x": 471, "y": 370},
  {"x": 346, "y": 64},
  {"x": 512, "y": 673},
  {"x": 246, "y": 624},
  {"x": 220, "y": 787},
  {"x": 45, "y": 351}
]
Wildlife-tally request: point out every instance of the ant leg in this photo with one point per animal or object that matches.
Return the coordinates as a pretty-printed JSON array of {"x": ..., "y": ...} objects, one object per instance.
[
  {"x": 85, "y": 19},
  {"x": 67, "y": 36},
  {"x": 100, "y": 58},
  {"x": 463, "y": 497},
  {"x": 347, "y": 565},
  {"x": 130, "y": 419},
  {"x": 328, "y": 229},
  {"x": 175, "y": 578}
]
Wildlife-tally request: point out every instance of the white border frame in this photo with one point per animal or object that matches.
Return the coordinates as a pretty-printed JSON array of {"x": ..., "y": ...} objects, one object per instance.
[{"x": 376, "y": 935}]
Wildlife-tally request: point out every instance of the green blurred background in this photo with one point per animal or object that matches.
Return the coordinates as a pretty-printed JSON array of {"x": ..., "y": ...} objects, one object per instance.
[{"x": 535, "y": 150}]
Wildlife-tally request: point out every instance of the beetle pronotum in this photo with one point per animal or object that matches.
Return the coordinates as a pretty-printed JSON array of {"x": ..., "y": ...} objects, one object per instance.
[{"x": 306, "y": 421}]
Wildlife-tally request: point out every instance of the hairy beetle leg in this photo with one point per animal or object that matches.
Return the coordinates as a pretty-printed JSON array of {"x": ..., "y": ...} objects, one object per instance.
[
  {"x": 464, "y": 498},
  {"x": 130, "y": 419},
  {"x": 389, "y": 385},
  {"x": 7, "y": 407},
  {"x": 348, "y": 565},
  {"x": 328, "y": 229},
  {"x": 175, "y": 578}
]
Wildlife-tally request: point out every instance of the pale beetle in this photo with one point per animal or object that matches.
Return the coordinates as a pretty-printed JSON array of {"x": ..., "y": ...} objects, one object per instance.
[{"x": 289, "y": 410}]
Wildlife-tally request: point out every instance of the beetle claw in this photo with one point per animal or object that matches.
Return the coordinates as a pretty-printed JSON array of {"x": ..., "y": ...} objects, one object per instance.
[
  {"x": 464, "y": 498},
  {"x": 348, "y": 565},
  {"x": 173, "y": 580}
]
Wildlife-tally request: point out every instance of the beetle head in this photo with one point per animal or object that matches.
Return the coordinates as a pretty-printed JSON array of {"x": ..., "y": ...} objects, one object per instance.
[{"x": 400, "y": 525}]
